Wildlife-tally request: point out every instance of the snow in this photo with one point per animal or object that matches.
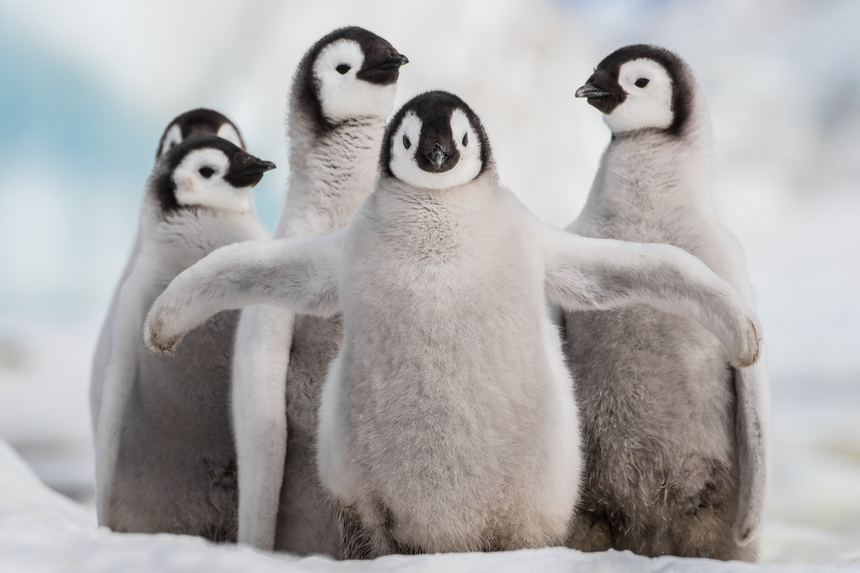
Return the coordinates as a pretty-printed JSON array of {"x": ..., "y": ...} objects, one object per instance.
[{"x": 40, "y": 530}]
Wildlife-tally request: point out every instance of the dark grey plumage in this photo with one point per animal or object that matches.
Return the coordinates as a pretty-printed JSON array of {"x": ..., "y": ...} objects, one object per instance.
[
  {"x": 342, "y": 92},
  {"x": 675, "y": 438},
  {"x": 166, "y": 459},
  {"x": 200, "y": 121}
]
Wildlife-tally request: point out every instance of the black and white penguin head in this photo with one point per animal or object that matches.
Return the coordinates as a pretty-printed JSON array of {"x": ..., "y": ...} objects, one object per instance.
[
  {"x": 200, "y": 121},
  {"x": 208, "y": 171},
  {"x": 641, "y": 87},
  {"x": 435, "y": 141},
  {"x": 350, "y": 73}
]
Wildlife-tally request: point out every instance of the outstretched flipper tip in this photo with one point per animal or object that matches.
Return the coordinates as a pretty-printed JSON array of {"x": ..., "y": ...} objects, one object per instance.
[
  {"x": 157, "y": 343},
  {"x": 752, "y": 345}
]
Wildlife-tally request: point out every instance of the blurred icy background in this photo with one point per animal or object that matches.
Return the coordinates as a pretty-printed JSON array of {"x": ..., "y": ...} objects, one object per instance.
[{"x": 87, "y": 87}]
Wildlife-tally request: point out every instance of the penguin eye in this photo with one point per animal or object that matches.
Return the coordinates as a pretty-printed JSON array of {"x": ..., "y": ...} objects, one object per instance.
[
  {"x": 342, "y": 69},
  {"x": 406, "y": 143},
  {"x": 465, "y": 139},
  {"x": 642, "y": 82},
  {"x": 206, "y": 172}
]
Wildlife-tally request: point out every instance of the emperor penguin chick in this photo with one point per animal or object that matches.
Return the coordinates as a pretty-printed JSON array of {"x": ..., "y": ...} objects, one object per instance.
[
  {"x": 200, "y": 121},
  {"x": 676, "y": 438},
  {"x": 342, "y": 93},
  {"x": 447, "y": 420},
  {"x": 165, "y": 456}
]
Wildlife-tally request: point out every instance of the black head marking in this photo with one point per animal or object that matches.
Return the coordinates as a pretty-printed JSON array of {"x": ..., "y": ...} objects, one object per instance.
[
  {"x": 244, "y": 170},
  {"x": 200, "y": 121},
  {"x": 605, "y": 79},
  {"x": 436, "y": 151},
  {"x": 381, "y": 66}
]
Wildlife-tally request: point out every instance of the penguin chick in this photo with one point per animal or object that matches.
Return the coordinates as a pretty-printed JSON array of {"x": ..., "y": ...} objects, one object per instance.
[
  {"x": 165, "y": 459},
  {"x": 342, "y": 93},
  {"x": 448, "y": 420},
  {"x": 676, "y": 439},
  {"x": 200, "y": 121}
]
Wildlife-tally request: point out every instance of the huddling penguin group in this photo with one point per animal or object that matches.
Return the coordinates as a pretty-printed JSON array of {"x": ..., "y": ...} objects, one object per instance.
[{"x": 415, "y": 363}]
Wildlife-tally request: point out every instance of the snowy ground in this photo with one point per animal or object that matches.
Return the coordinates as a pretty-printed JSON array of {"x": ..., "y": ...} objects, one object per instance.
[{"x": 40, "y": 530}]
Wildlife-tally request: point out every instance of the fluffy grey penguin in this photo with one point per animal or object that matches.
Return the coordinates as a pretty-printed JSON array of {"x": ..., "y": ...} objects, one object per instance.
[
  {"x": 447, "y": 417},
  {"x": 200, "y": 121},
  {"x": 165, "y": 459},
  {"x": 676, "y": 438},
  {"x": 342, "y": 93}
]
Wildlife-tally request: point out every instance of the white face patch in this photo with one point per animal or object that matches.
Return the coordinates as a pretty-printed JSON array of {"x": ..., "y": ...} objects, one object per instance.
[
  {"x": 405, "y": 168},
  {"x": 173, "y": 137},
  {"x": 644, "y": 107},
  {"x": 228, "y": 132},
  {"x": 342, "y": 95},
  {"x": 194, "y": 188}
]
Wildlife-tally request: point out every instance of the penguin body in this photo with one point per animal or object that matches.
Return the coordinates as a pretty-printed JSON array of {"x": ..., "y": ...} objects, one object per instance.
[
  {"x": 446, "y": 417},
  {"x": 165, "y": 455},
  {"x": 342, "y": 93},
  {"x": 675, "y": 438},
  {"x": 200, "y": 121}
]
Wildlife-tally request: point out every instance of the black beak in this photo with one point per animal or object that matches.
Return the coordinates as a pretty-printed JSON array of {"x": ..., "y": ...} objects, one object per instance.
[
  {"x": 257, "y": 167},
  {"x": 437, "y": 157},
  {"x": 394, "y": 61},
  {"x": 589, "y": 90}
]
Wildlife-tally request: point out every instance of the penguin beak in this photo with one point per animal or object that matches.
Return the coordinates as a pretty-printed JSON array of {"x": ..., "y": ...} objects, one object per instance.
[
  {"x": 589, "y": 90},
  {"x": 437, "y": 157},
  {"x": 257, "y": 167},
  {"x": 394, "y": 61}
]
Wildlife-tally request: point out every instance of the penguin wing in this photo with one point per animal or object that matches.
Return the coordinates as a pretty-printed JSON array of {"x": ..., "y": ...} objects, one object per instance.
[
  {"x": 753, "y": 443},
  {"x": 299, "y": 274},
  {"x": 119, "y": 377},
  {"x": 600, "y": 274},
  {"x": 259, "y": 387},
  {"x": 102, "y": 355}
]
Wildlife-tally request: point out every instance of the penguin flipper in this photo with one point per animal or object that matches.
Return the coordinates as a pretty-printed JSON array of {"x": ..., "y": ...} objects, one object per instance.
[
  {"x": 260, "y": 362},
  {"x": 119, "y": 377},
  {"x": 602, "y": 274},
  {"x": 299, "y": 274},
  {"x": 753, "y": 443},
  {"x": 102, "y": 355}
]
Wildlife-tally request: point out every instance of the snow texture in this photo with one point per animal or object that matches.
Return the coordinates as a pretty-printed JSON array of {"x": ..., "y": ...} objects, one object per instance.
[{"x": 40, "y": 530}]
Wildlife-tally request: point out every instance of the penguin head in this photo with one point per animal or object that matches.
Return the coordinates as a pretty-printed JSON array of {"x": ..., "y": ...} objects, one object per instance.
[
  {"x": 350, "y": 73},
  {"x": 435, "y": 141},
  {"x": 200, "y": 121},
  {"x": 208, "y": 171},
  {"x": 641, "y": 87}
]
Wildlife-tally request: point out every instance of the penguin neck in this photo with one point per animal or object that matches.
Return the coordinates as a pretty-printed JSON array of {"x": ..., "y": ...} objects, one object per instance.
[
  {"x": 402, "y": 203},
  {"x": 331, "y": 171},
  {"x": 178, "y": 239},
  {"x": 652, "y": 171}
]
